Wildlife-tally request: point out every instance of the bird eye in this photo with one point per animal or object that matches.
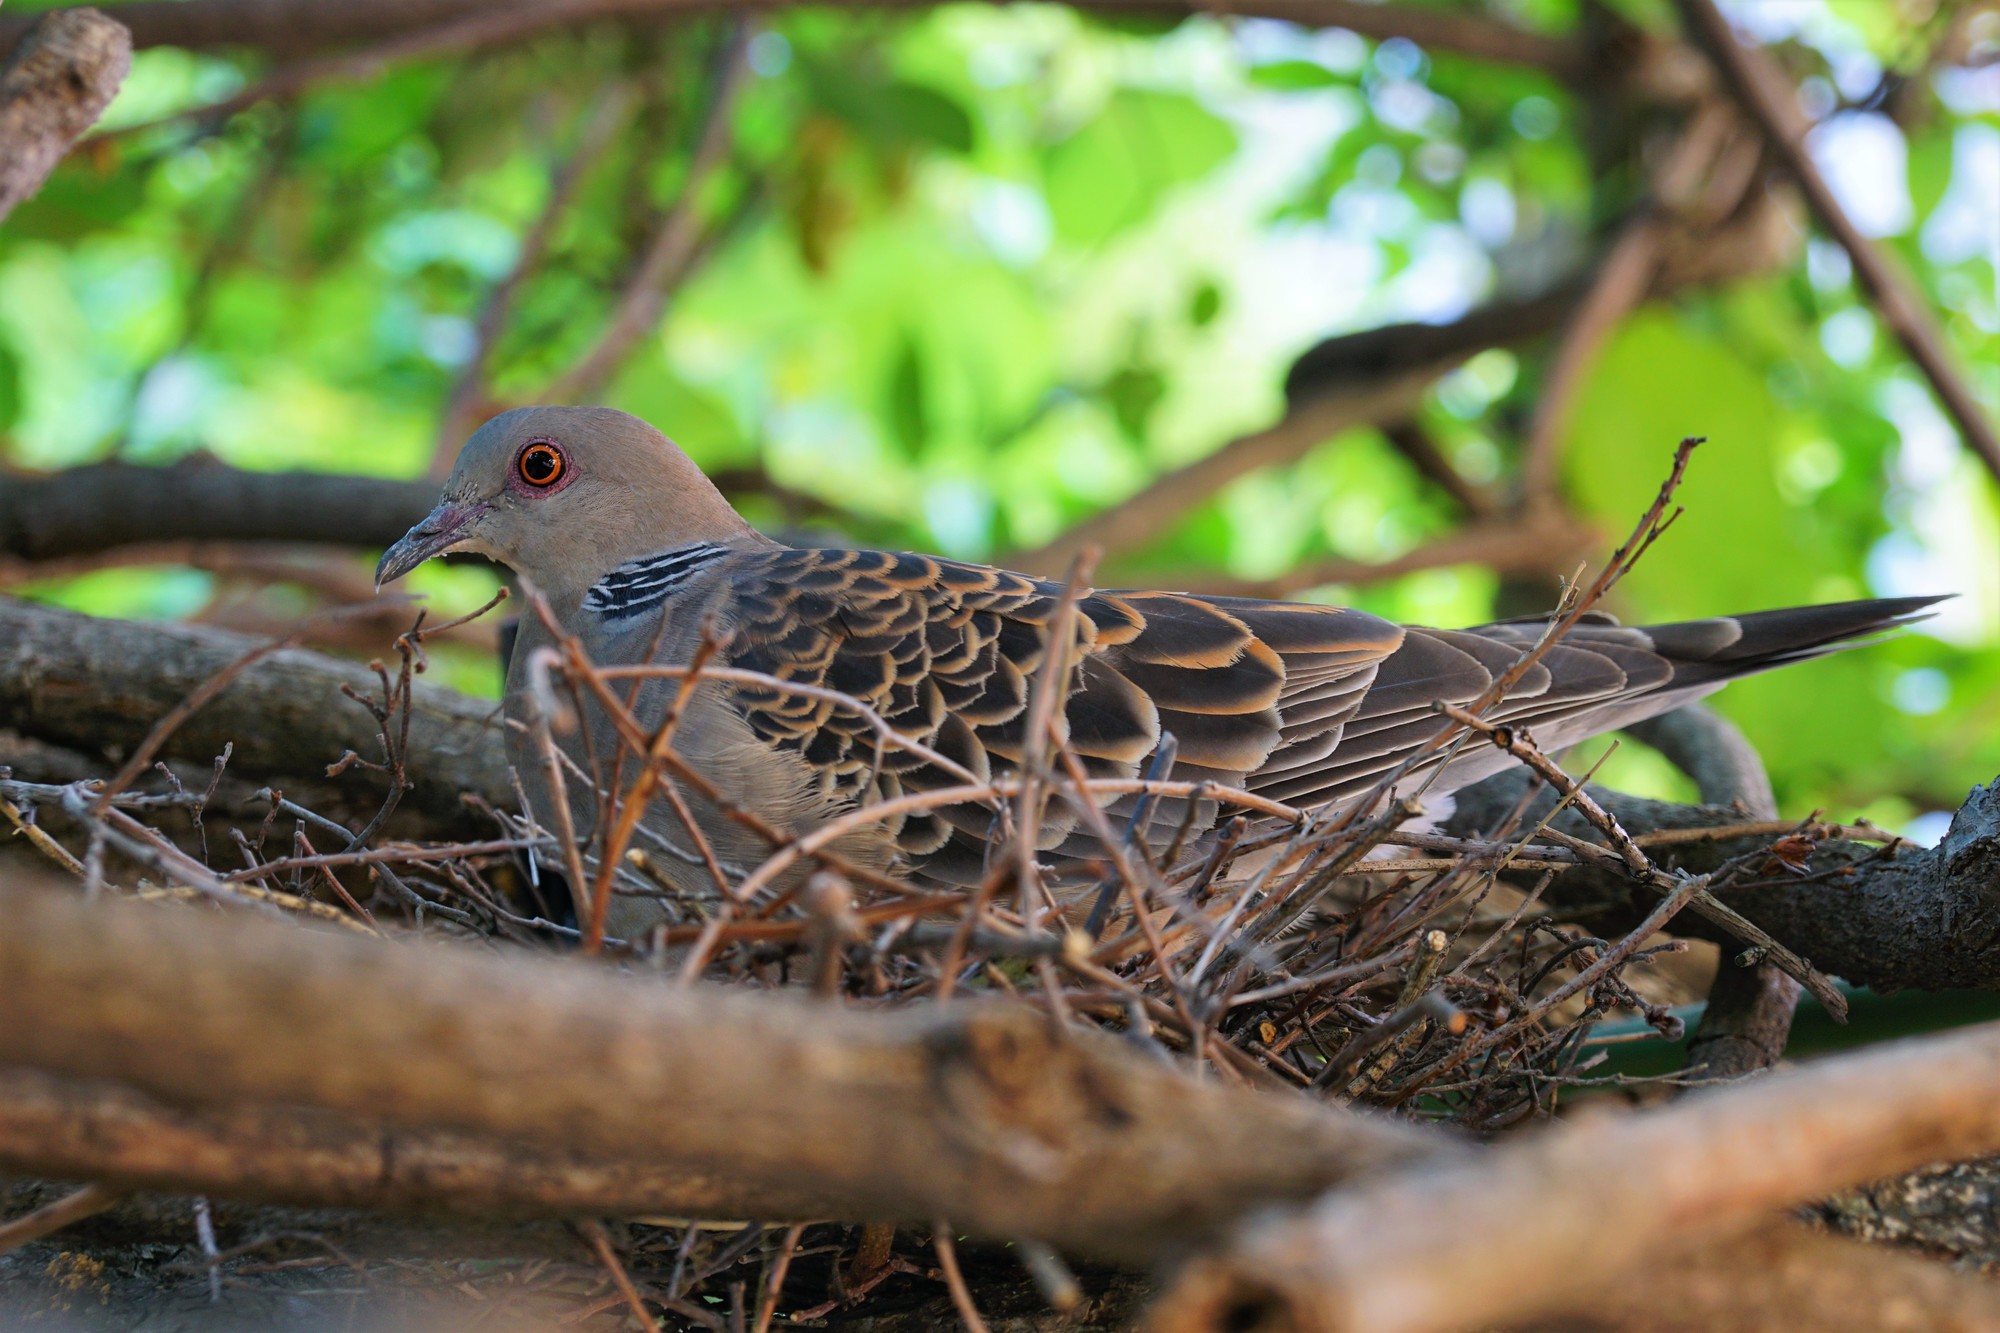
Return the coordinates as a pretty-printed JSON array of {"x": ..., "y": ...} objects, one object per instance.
[{"x": 541, "y": 464}]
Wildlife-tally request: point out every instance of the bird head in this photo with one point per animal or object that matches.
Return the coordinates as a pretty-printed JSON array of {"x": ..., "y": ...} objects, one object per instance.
[{"x": 564, "y": 494}]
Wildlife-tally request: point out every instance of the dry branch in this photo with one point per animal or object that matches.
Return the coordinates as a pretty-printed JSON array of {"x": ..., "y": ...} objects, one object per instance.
[
  {"x": 1891, "y": 918},
  {"x": 983, "y": 1114},
  {"x": 1310, "y": 422},
  {"x": 1620, "y": 283},
  {"x": 99, "y": 685},
  {"x": 296, "y": 27},
  {"x": 1375, "y": 376},
  {"x": 86, "y": 1202},
  {"x": 84, "y": 1129},
  {"x": 477, "y": 30},
  {"x": 1532, "y": 1223},
  {"x": 58, "y": 82},
  {"x": 469, "y": 393},
  {"x": 1535, "y": 541},
  {"x": 1786, "y": 1277},
  {"x": 109, "y": 505}
]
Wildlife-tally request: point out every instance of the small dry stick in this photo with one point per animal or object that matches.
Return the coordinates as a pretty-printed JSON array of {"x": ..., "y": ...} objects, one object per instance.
[
  {"x": 768, "y": 1304},
  {"x": 39, "y": 838},
  {"x": 593, "y": 1231},
  {"x": 634, "y": 805},
  {"x": 961, "y": 1295},
  {"x": 1516, "y": 741},
  {"x": 1051, "y": 687},
  {"x": 57, "y": 1214},
  {"x": 142, "y": 757}
]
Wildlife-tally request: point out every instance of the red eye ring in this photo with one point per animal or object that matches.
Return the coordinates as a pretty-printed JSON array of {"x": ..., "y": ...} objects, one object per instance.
[{"x": 541, "y": 465}]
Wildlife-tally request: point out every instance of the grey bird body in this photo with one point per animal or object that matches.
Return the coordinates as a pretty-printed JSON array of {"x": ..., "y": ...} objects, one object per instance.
[{"x": 641, "y": 560}]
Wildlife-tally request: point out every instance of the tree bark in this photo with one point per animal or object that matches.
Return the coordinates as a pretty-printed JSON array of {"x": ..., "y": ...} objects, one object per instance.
[
  {"x": 1785, "y": 1276},
  {"x": 1534, "y": 1223},
  {"x": 296, "y": 27},
  {"x": 109, "y": 505},
  {"x": 64, "y": 73},
  {"x": 983, "y": 1114},
  {"x": 1923, "y": 918},
  {"x": 85, "y": 1129},
  {"x": 99, "y": 685}
]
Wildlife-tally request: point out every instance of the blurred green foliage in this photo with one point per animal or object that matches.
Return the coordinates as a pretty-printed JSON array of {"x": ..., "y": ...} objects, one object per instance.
[{"x": 978, "y": 272}]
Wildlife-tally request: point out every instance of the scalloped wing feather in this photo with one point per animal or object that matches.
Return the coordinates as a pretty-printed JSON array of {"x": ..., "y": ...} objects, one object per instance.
[{"x": 1300, "y": 703}]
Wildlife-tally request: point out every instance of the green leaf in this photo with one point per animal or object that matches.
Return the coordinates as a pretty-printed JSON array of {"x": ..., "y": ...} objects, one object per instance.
[
  {"x": 891, "y": 114},
  {"x": 908, "y": 419},
  {"x": 10, "y": 388},
  {"x": 1133, "y": 392},
  {"x": 1930, "y": 161},
  {"x": 1294, "y": 76},
  {"x": 1111, "y": 173},
  {"x": 77, "y": 201},
  {"x": 927, "y": 114},
  {"x": 1657, "y": 381},
  {"x": 1205, "y": 305}
]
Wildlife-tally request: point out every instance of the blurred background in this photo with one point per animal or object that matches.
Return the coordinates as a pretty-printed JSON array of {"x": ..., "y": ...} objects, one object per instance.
[{"x": 1403, "y": 306}]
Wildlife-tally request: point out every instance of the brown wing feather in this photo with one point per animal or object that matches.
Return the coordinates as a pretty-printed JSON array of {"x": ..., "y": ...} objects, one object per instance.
[
  {"x": 946, "y": 652},
  {"x": 1305, "y": 704}
]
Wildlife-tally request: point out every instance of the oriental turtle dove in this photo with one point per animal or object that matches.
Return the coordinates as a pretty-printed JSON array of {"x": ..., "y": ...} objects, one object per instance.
[{"x": 639, "y": 557}]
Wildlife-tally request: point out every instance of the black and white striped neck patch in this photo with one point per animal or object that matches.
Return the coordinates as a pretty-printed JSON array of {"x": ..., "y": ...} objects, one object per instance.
[{"x": 642, "y": 584}]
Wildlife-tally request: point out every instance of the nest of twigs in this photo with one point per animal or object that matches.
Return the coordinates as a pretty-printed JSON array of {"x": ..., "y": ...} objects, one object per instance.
[{"x": 1353, "y": 956}]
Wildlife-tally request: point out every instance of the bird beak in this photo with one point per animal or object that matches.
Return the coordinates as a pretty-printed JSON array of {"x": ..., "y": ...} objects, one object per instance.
[{"x": 441, "y": 530}]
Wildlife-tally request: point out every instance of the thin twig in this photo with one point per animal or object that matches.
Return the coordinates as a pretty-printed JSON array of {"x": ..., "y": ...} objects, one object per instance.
[
  {"x": 58, "y": 1213},
  {"x": 593, "y": 1231},
  {"x": 961, "y": 1295}
]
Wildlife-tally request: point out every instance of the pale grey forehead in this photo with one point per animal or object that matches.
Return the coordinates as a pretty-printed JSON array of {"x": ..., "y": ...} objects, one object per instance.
[{"x": 580, "y": 428}]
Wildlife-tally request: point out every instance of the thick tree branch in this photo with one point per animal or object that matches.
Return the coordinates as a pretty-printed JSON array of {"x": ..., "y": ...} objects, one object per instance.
[
  {"x": 298, "y": 27},
  {"x": 1725, "y": 767},
  {"x": 1950, "y": 1211},
  {"x": 107, "y": 505},
  {"x": 1530, "y": 1224},
  {"x": 1885, "y": 917},
  {"x": 985, "y": 1114},
  {"x": 65, "y": 72},
  {"x": 1768, "y": 97},
  {"x": 57, "y": 517},
  {"x": 98, "y": 685},
  {"x": 83, "y": 1129},
  {"x": 1785, "y": 1276}
]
